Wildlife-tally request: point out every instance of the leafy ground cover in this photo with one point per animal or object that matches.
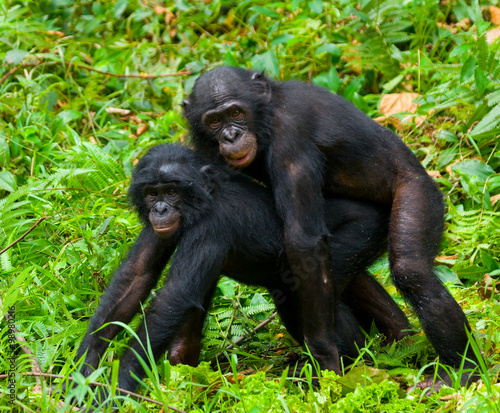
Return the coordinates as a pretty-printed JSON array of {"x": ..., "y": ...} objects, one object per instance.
[{"x": 86, "y": 87}]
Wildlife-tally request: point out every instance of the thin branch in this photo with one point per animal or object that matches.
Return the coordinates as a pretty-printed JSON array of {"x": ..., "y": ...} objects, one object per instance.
[
  {"x": 69, "y": 64},
  {"x": 140, "y": 76},
  {"x": 97, "y": 384},
  {"x": 244, "y": 337},
  {"x": 9, "y": 73},
  {"x": 22, "y": 236}
]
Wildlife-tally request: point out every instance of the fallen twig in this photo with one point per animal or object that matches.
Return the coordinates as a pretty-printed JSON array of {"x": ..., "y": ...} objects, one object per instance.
[
  {"x": 22, "y": 236},
  {"x": 244, "y": 337},
  {"x": 69, "y": 64}
]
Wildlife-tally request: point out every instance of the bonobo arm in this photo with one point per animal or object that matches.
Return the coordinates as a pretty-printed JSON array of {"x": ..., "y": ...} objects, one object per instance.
[
  {"x": 130, "y": 286},
  {"x": 194, "y": 270},
  {"x": 296, "y": 179}
]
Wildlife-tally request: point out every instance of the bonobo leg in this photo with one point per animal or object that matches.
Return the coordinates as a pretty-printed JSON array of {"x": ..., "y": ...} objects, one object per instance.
[
  {"x": 413, "y": 244},
  {"x": 347, "y": 333},
  {"x": 316, "y": 290},
  {"x": 359, "y": 236},
  {"x": 370, "y": 302},
  {"x": 177, "y": 303},
  {"x": 130, "y": 286},
  {"x": 186, "y": 347}
]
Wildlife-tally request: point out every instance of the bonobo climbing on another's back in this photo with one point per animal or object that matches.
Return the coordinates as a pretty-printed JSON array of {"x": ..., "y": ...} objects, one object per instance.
[
  {"x": 308, "y": 145},
  {"x": 221, "y": 222}
]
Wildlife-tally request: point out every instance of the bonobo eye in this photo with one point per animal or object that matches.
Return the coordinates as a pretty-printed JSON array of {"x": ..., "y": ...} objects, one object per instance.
[
  {"x": 151, "y": 194},
  {"x": 237, "y": 114},
  {"x": 214, "y": 122},
  {"x": 171, "y": 192}
]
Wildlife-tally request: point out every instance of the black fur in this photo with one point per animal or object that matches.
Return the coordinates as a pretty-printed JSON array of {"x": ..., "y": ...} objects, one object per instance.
[
  {"x": 228, "y": 225},
  {"x": 308, "y": 145}
]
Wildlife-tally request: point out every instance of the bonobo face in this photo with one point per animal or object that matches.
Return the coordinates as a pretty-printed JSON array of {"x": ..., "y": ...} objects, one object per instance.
[
  {"x": 163, "y": 200},
  {"x": 228, "y": 110},
  {"x": 230, "y": 123}
]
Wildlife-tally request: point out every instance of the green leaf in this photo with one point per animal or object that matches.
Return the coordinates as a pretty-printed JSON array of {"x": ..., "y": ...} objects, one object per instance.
[
  {"x": 282, "y": 39},
  {"x": 316, "y": 6},
  {"x": 119, "y": 8},
  {"x": 8, "y": 181},
  {"x": 15, "y": 56},
  {"x": 295, "y": 4},
  {"x": 330, "y": 80},
  {"x": 467, "y": 69},
  {"x": 266, "y": 62},
  {"x": 4, "y": 151},
  {"x": 328, "y": 48},
  {"x": 391, "y": 84},
  {"x": 266, "y": 12},
  {"x": 474, "y": 168},
  {"x": 257, "y": 299},
  {"x": 227, "y": 287},
  {"x": 460, "y": 49},
  {"x": 488, "y": 261},
  {"x": 68, "y": 115},
  {"x": 445, "y": 274},
  {"x": 229, "y": 59},
  {"x": 354, "y": 87},
  {"x": 481, "y": 80}
]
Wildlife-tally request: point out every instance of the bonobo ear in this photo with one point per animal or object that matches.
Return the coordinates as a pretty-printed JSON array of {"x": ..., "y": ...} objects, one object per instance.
[
  {"x": 261, "y": 85},
  {"x": 185, "y": 103}
]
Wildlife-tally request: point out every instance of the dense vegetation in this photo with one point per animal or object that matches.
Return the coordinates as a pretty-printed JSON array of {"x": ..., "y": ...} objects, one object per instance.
[{"x": 86, "y": 87}]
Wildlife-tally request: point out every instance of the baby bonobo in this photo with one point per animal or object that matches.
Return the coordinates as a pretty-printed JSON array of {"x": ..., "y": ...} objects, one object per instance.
[
  {"x": 308, "y": 144},
  {"x": 221, "y": 222}
]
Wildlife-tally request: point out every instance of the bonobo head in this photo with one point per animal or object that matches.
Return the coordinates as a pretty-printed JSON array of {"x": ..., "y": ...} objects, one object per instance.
[
  {"x": 229, "y": 112},
  {"x": 172, "y": 187}
]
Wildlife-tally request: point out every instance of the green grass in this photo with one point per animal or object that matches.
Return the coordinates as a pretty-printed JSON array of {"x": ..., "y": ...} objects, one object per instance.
[{"x": 70, "y": 133}]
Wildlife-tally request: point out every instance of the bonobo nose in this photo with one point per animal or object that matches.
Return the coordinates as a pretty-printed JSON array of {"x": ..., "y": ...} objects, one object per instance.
[
  {"x": 230, "y": 135},
  {"x": 160, "y": 207}
]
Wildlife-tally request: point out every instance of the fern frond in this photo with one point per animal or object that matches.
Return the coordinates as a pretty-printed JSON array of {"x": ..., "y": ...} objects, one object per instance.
[
  {"x": 490, "y": 121},
  {"x": 261, "y": 308},
  {"x": 493, "y": 97}
]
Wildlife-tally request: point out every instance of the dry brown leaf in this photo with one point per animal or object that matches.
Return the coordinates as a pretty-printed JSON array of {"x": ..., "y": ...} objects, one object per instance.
[
  {"x": 448, "y": 168},
  {"x": 118, "y": 111},
  {"x": 393, "y": 103},
  {"x": 435, "y": 174},
  {"x": 492, "y": 35},
  {"x": 495, "y": 15},
  {"x": 494, "y": 199},
  {"x": 465, "y": 24},
  {"x": 55, "y": 33},
  {"x": 455, "y": 396},
  {"x": 169, "y": 17},
  {"x": 485, "y": 287},
  {"x": 159, "y": 9},
  {"x": 87, "y": 58},
  {"x": 141, "y": 129},
  {"x": 447, "y": 257}
]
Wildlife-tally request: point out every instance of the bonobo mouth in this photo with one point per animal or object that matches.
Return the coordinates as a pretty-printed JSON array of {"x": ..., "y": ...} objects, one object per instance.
[
  {"x": 241, "y": 160},
  {"x": 167, "y": 230}
]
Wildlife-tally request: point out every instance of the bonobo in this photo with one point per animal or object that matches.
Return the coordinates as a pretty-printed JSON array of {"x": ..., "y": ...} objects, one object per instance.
[
  {"x": 308, "y": 144},
  {"x": 221, "y": 222}
]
